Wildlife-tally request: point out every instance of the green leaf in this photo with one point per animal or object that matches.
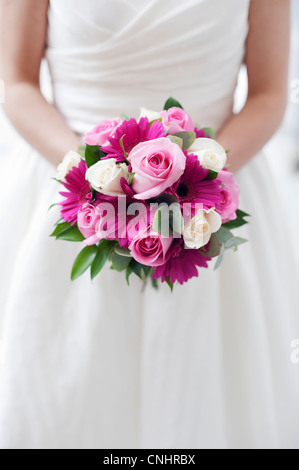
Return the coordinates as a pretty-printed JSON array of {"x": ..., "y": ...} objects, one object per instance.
[
  {"x": 161, "y": 222},
  {"x": 101, "y": 258},
  {"x": 209, "y": 132},
  {"x": 177, "y": 220},
  {"x": 187, "y": 137},
  {"x": 81, "y": 150},
  {"x": 155, "y": 283},
  {"x": 155, "y": 120},
  {"x": 238, "y": 222},
  {"x": 94, "y": 194},
  {"x": 129, "y": 272},
  {"x": 223, "y": 235},
  {"x": 57, "y": 181},
  {"x": 235, "y": 223},
  {"x": 123, "y": 252},
  {"x": 121, "y": 143},
  {"x": 124, "y": 117},
  {"x": 93, "y": 154},
  {"x": 83, "y": 261},
  {"x": 120, "y": 263},
  {"x": 235, "y": 242},
  {"x": 176, "y": 140},
  {"x": 140, "y": 270},
  {"x": 157, "y": 222},
  {"x": 52, "y": 205},
  {"x": 213, "y": 249},
  {"x": 60, "y": 228},
  {"x": 71, "y": 234},
  {"x": 228, "y": 241},
  {"x": 143, "y": 275},
  {"x": 242, "y": 213},
  {"x": 168, "y": 199},
  {"x": 113, "y": 245},
  {"x": 212, "y": 175},
  {"x": 68, "y": 232},
  {"x": 168, "y": 218},
  {"x": 172, "y": 103},
  {"x": 169, "y": 284},
  {"x": 131, "y": 177},
  {"x": 220, "y": 258}
]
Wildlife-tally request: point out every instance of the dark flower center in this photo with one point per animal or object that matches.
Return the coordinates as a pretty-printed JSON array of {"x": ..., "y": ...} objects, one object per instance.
[{"x": 182, "y": 190}]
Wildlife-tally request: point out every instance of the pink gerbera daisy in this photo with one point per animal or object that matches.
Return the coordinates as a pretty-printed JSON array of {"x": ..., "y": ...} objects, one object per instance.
[
  {"x": 200, "y": 133},
  {"x": 133, "y": 133},
  {"x": 194, "y": 188},
  {"x": 79, "y": 192},
  {"x": 182, "y": 264}
]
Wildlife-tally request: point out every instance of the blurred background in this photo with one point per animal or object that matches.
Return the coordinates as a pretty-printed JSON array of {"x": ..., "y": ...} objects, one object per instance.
[{"x": 282, "y": 151}]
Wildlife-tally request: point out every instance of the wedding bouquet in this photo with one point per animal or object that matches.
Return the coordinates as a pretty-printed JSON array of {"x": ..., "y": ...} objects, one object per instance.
[{"x": 152, "y": 197}]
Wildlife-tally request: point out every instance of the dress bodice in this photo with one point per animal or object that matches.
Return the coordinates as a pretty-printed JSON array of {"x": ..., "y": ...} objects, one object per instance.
[{"x": 111, "y": 57}]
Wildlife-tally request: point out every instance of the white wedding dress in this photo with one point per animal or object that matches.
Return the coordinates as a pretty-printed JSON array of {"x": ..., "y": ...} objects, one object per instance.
[{"x": 103, "y": 365}]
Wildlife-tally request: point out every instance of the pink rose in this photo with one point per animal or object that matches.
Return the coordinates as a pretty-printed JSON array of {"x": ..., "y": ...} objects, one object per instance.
[
  {"x": 230, "y": 192},
  {"x": 100, "y": 134},
  {"x": 157, "y": 165},
  {"x": 88, "y": 219},
  {"x": 177, "y": 120},
  {"x": 150, "y": 248}
]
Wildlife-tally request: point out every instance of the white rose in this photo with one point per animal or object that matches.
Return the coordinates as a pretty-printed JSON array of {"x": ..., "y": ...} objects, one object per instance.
[
  {"x": 105, "y": 176},
  {"x": 150, "y": 115},
  {"x": 198, "y": 231},
  {"x": 210, "y": 154},
  {"x": 71, "y": 160}
]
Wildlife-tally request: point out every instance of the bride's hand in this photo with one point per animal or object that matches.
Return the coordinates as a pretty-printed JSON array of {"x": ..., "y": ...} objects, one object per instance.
[{"x": 23, "y": 31}]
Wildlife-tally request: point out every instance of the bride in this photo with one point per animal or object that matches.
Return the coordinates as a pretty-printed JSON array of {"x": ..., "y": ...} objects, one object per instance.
[{"x": 104, "y": 365}]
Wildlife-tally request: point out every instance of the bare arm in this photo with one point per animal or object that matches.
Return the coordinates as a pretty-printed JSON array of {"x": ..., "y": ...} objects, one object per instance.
[
  {"x": 23, "y": 28},
  {"x": 267, "y": 67}
]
